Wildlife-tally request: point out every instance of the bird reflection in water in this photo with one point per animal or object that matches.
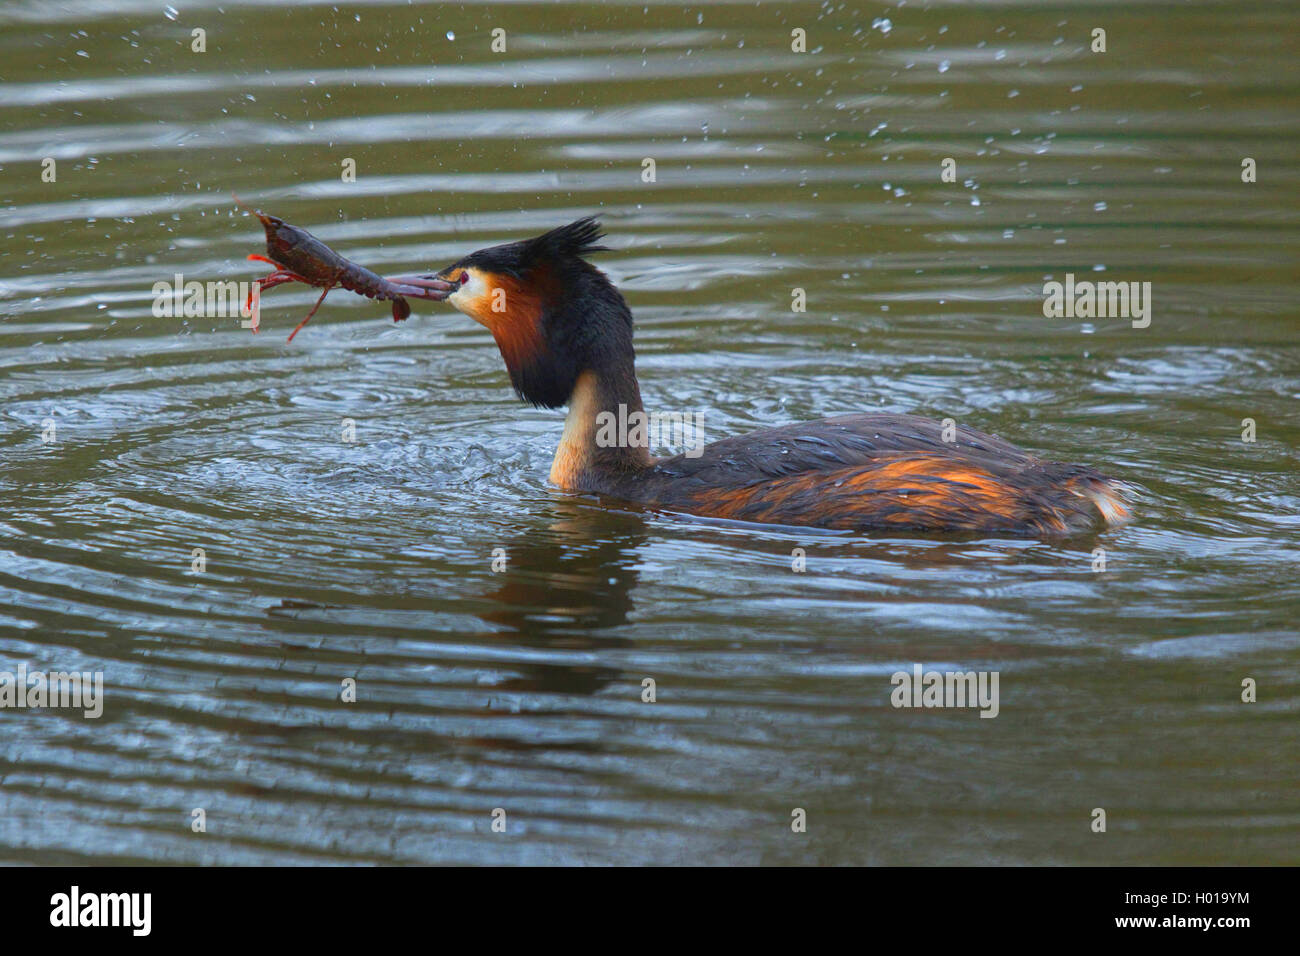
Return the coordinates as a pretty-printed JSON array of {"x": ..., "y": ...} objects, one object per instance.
[{"x": 568, "y": 588}]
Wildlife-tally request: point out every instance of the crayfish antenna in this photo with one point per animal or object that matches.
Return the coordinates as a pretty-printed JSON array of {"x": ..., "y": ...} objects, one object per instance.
[{"x": 240, "y": 203}]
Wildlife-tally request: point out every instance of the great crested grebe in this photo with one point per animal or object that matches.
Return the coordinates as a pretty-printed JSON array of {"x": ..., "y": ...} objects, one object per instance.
[{"x": 565, "y": 333}]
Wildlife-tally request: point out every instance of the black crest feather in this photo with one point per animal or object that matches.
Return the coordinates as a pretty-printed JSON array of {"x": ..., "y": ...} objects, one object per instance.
[
  {"x": 560, "y": 246},
  {"x": 577, "y": 239}
]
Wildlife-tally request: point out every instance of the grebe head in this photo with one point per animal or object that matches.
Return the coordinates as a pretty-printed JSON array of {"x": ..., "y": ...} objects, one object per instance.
[{"x": 553, "y": 314}]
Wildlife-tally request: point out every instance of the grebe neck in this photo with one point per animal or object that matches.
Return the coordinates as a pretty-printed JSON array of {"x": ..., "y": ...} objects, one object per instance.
[{"x": 594, "y": 447}]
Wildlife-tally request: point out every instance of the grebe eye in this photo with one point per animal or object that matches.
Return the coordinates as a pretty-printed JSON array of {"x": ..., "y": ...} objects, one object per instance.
[{"x": 464, "y": 277}]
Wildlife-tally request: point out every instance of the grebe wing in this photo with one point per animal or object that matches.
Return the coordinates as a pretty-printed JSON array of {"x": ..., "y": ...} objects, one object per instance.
[
  {"x": 832, "y": 444},
  {"x": 861, "y": 472}
]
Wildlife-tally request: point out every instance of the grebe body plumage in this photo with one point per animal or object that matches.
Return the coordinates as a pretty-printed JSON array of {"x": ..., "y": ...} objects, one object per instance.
[{"x": 565, "y": 333}]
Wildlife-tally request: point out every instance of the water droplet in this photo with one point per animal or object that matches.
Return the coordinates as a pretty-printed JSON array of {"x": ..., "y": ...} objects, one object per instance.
[
  {"x": 171, "y": 13},
  {"x": 451, "y": 35}
]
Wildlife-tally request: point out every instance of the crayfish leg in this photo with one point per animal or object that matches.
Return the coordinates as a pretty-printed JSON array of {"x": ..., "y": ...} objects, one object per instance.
[
  {"x": 271, "y": 281},
  {"x": 401, "y": 310},
  {"x": 299, "y": 326}
]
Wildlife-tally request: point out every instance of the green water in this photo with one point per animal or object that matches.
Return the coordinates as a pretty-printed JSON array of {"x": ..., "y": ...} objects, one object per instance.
[{"x": 372, "y": 559}]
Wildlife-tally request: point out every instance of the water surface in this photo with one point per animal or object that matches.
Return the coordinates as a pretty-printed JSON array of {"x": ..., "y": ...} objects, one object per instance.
[{"x": 522, "y": 689}]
